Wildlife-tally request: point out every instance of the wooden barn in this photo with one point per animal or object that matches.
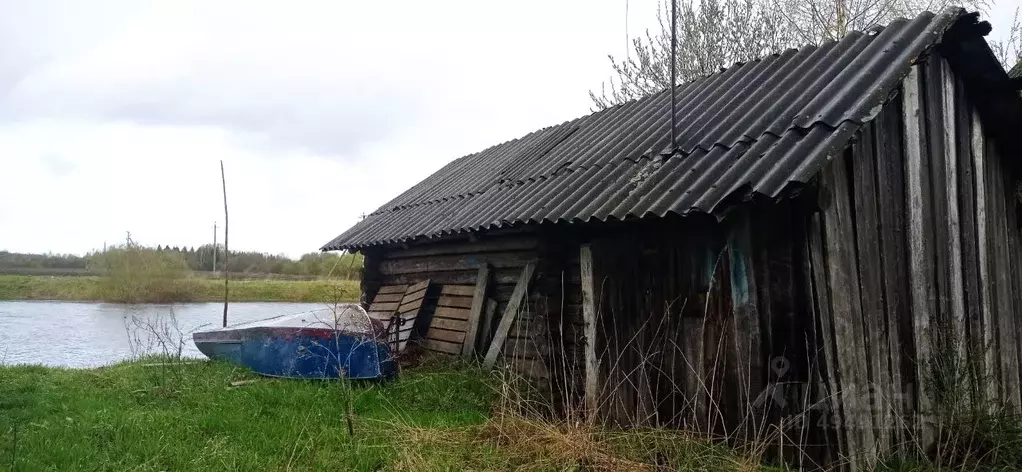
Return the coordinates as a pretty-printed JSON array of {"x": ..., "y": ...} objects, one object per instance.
[{"x": 830, "y": 245}]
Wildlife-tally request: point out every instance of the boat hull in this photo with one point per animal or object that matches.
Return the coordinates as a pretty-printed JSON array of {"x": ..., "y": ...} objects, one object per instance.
[{"x": 308, "y": 353}]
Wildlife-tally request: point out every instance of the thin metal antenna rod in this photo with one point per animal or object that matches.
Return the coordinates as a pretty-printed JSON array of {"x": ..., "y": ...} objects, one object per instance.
[{"x": 674, "y": 74}]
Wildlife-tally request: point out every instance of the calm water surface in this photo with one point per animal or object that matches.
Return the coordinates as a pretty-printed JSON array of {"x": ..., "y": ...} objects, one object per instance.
[{"x": 74, "y": 334}]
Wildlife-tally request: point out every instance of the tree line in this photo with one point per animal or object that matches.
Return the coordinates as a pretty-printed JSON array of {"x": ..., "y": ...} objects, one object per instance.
[{"x": 201, "y": 259}]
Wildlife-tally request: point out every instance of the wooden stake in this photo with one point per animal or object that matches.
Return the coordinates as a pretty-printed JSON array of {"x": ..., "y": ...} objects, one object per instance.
[
  {"x": 478, "y": 302},
  {"x": 589, "y": 316},
  {"x": 227, "y": 270}
]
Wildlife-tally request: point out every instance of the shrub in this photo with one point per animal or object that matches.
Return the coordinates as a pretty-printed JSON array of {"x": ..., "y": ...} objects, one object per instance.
[{"x": 135, "y": 274}]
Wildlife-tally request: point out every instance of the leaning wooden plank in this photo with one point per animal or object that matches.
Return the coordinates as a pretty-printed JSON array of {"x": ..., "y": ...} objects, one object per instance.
[
  {"x": 517, "y": 299},
  {"x": 413, "y": 296},
  {"x": 455, "y": 302},
  {"x": 408, "y": 310},
  {"x": 446, "y": 335},
  {"x": 458, "y": 290},
  {"x": 419, "y": 286},
  {"x": 406, "y": 306},
  {"x": 476, "y": 310},
  {"x": 442, "y": 346},
  {"x": 589, "y": 315},
  {"x": 919, "y": 237}
]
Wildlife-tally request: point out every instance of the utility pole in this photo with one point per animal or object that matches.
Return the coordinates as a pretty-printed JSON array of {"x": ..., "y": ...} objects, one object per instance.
[{"x": 214, "y": 248}]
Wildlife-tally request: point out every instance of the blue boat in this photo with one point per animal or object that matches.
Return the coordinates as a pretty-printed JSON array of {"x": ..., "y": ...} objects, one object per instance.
[{"x": 327, "y": 344}]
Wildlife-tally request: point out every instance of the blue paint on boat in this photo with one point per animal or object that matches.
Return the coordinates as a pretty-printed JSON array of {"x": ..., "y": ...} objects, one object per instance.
[{"x": 295, "y": 347}]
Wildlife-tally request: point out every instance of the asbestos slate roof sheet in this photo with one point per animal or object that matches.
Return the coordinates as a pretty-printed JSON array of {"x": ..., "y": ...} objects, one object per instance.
[{"x": 752, "y": 129}]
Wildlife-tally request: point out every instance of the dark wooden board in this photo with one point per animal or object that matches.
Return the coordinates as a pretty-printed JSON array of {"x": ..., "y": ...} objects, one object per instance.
[
  {"x": 446, "y": 335},
  {"x": 392, "y": 289},
  {"x": 497, "y": 244},
  {"x": 455, "y": 302},
  {"x": 388, "y": 297},
  {"x": 418, "y": 286},
  {"x": 460, "y": 262},
  {"x": 455, "y": 313},
  {"x": 412, "y": 306},
  {"x": 385, "y": 307},
  {"x": 874, "y": 318},
  {"x": 458, "y": 290},
  {"x": 444, "y": 323}
]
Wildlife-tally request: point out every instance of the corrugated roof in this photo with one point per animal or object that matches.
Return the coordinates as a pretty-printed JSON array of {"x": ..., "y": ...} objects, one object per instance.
[{"x": 752, "y": 129}]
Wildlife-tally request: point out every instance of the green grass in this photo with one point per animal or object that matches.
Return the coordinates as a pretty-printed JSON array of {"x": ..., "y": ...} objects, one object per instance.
[
  {"x": 193, "y": 289},
  {"x": 150, "y": 416},
  {"x": 187, "y": 417}
]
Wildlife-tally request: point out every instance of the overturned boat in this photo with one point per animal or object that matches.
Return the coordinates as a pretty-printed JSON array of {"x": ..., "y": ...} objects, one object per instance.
[{"x": 333, "y": 343}]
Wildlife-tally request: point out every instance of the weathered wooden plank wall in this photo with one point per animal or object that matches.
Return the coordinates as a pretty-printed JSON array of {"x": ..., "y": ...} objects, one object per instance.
[
  {"x": 933, "y": 277},
  {"x": 457, "y": 261},
  {"x": 827, "y": 320}
]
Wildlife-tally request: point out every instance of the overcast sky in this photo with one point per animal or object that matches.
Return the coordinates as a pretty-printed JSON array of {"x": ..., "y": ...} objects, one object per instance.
[{"x": 114, "y": 115}]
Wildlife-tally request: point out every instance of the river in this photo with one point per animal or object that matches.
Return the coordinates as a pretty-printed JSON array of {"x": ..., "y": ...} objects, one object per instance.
[{"x": 78, "y": 334}]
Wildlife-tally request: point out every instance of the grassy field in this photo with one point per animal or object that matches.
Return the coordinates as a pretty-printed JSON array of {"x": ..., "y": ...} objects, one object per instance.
[
  {"x": 134, "y": 416},
  {"x": 193, "y": 289}
]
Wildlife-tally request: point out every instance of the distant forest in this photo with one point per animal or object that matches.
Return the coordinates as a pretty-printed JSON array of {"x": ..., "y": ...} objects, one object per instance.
[{"x": 201, "y": 259}]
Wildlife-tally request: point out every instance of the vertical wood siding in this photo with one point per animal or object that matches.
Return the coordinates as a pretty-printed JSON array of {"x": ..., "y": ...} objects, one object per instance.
[{"x": 837, "y": 319}]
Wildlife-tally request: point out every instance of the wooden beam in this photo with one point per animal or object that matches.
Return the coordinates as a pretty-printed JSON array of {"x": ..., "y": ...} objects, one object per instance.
[
  {"x": 589, "y": 316},
  {"x": 956, "y": 325},
  {"x": 476, "y": 311},
  {"x": 890, "y": 171},
  {"x": 827, "y": 347},
  {"x": 513, "y": 305},
  {"x": 846, "y": 309},
  {"x": 990, "y": 364},
  {"x": 457, "y": 290},
  {"x": 749, "y": 369},
  {"x": 867, "y": 242},
  {"x": 459, "y": 262},
  {"x": 919, "y": 237}
]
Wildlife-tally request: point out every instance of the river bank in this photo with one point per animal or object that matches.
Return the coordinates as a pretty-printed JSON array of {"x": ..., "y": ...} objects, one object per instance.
[
  {"x": 188, "y": 416},
  {"x": 149, "y": 416},
  {"x": 192, "y": 289}
]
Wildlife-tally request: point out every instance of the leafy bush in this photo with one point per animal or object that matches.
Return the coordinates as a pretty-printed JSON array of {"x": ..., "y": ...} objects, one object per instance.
[{"x": 135, "y": 274}]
